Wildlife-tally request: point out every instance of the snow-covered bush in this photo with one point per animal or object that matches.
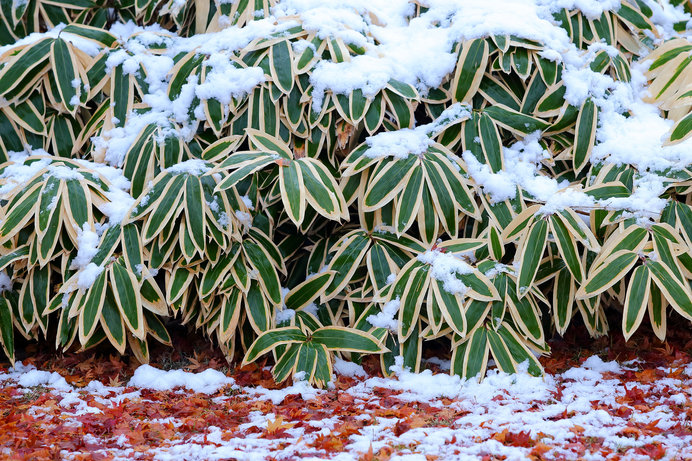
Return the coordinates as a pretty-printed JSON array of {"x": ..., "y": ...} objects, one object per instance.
[{"x": 305, "y": 177}]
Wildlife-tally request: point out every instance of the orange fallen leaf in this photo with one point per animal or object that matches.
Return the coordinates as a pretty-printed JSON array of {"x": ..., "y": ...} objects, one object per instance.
[
  {"x": 539, "y": 450},
  {"x": 646, "y": 376},
  {"x": 631, "y": 431},
  {"x": 576, "y": 429},
  {"x": 278, "y": 424},
  {"x": 369, "y": 456}
]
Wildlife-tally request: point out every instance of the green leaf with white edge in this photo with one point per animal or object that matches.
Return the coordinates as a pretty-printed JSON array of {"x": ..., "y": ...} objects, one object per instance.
[
  {"x": 20, "y": 214},
  {"x": 286, "y": 363},
  {"x": 6, "y": 328},
  {"x": 347, "y": 340},
  {"x": 127, "y": 297},
  {"x": 607, "y": 274},
  {"x": 293, "y": 191},
  {"x": 579, "y": 229},
  {"x": 318, "y": 195},
  {"x": 657, "y": 312},
  {"x": 31, "y": 57},
  {"x": 476, "y": 356},
  {"x": 526, "y": 315},
  {"x": 306, "y": 361},
  {"x": 682, "y": 130},
  {"x": 428, "y": 223},
  {"x": 230, "y": 313},
  {"x": 409, "y": 201},
  {"x": 481, "y": 288},
  {"x": 307, "y": 291},
  {"x": 455, "y": 183},
  {"x": 122, "y": 94},
  {"x": 388, "y": 182},
  {"x": 346, "y": 261},
  {"x": 132, "y": 247},
  {"x": 323, "y": 367},
  {"x": 47, "y": 207},
  {"x": 632, "y": 238},
  {"x": 666, "y": 254},
  {"x": 239, "y": 160},
  {"x": 221, "y": 149},
  {"x": 567, "y": 246},
  {"x": 194, "y": 209},
  {"x": 327, "y": 179},
  {"x": 109, "y": 240},
  {"x": 269, "y": 144},
  {"x": 165, "y": 209},
  {"x": 495, "y": 245},
  {"x": 270, "y": 339},
  {"x": 532, "y": 248},
  {"x": 491, "y": 144},
  {"x": 518, "y": 350},
  {"x": 65, "y": 71},
  {"x": 146, "y": 201},
  {"x": 451, "y": 307},
  {"x": 402, "y": 89},
  {"x": 19, "y": 253},
  {"x": 608, "y": 190},
  {"x": 257, "y": 308},
  {"x": 636, "y": 300},
  {"x": 269, "y": 247},
  {"x": 91, "y": 33},
  {"x": 563, "y": 299},
  {"x": 90, "y": 313},
  {"x": 156, "y": 328},
  {"x": 280, "y": 57},
  {"x": 411, "y": 301},
  {"x": 268, "y": 278},
  {"x": 519, "y": 224},
  {"x": 585, "y": 137},
  {"x": 677, "y": 293},
  {"x": 501, "y": 353},
  {"x": 515, "y": 121},
  {"x": 78, "y": 202},
  {"x": 470, "y": 69},
  {"x": 442, "y": 197}
]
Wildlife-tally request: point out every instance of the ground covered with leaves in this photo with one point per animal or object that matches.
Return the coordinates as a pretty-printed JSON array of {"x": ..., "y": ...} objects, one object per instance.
[{"x": 611, "y": 401}]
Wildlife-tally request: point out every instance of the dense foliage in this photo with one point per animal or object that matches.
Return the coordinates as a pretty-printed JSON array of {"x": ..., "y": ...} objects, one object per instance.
[{"x": 266, "y": 174}]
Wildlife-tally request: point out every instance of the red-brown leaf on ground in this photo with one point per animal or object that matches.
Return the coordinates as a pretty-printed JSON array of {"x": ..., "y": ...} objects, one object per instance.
[
  {"x": 652, "y": 450},
  {"x": 39, "y": 422},
  {"x": 514, "y": 439}
]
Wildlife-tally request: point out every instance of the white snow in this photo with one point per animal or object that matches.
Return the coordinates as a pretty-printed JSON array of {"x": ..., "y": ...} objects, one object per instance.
[
  {"x": 18, "y": 173},
  {"x": 5, "y": 281},
  {"x": 406, "y": 141},
  {"x": 87, "y": 46},
  {"x": 444, "y": 267},
  {"x": 346, "y": 368},
  {"x": 284, "y": 315},
  {"x": 29, "y": 376},
  {"x": 87, "y": 247},
  {"x": 399, "y": 144},
  {"x": 387, "y": 318},
  {"x": 194, "y": 167},
  {"x": 206, "y": 382},
  {"x": 87, "y": 276},
  {"x": 276, "y": 396}
]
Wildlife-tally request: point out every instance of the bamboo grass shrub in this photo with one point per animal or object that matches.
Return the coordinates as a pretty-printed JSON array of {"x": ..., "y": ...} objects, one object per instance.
[{"x": 235, "y": 167}]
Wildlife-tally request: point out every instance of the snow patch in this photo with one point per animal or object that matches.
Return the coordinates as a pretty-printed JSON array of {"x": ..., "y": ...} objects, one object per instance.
[{"x": 206, "y": 382}]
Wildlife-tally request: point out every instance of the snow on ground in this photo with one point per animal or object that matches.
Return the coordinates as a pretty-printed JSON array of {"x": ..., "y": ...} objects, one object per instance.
[{"x": 599, "y": 410}]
